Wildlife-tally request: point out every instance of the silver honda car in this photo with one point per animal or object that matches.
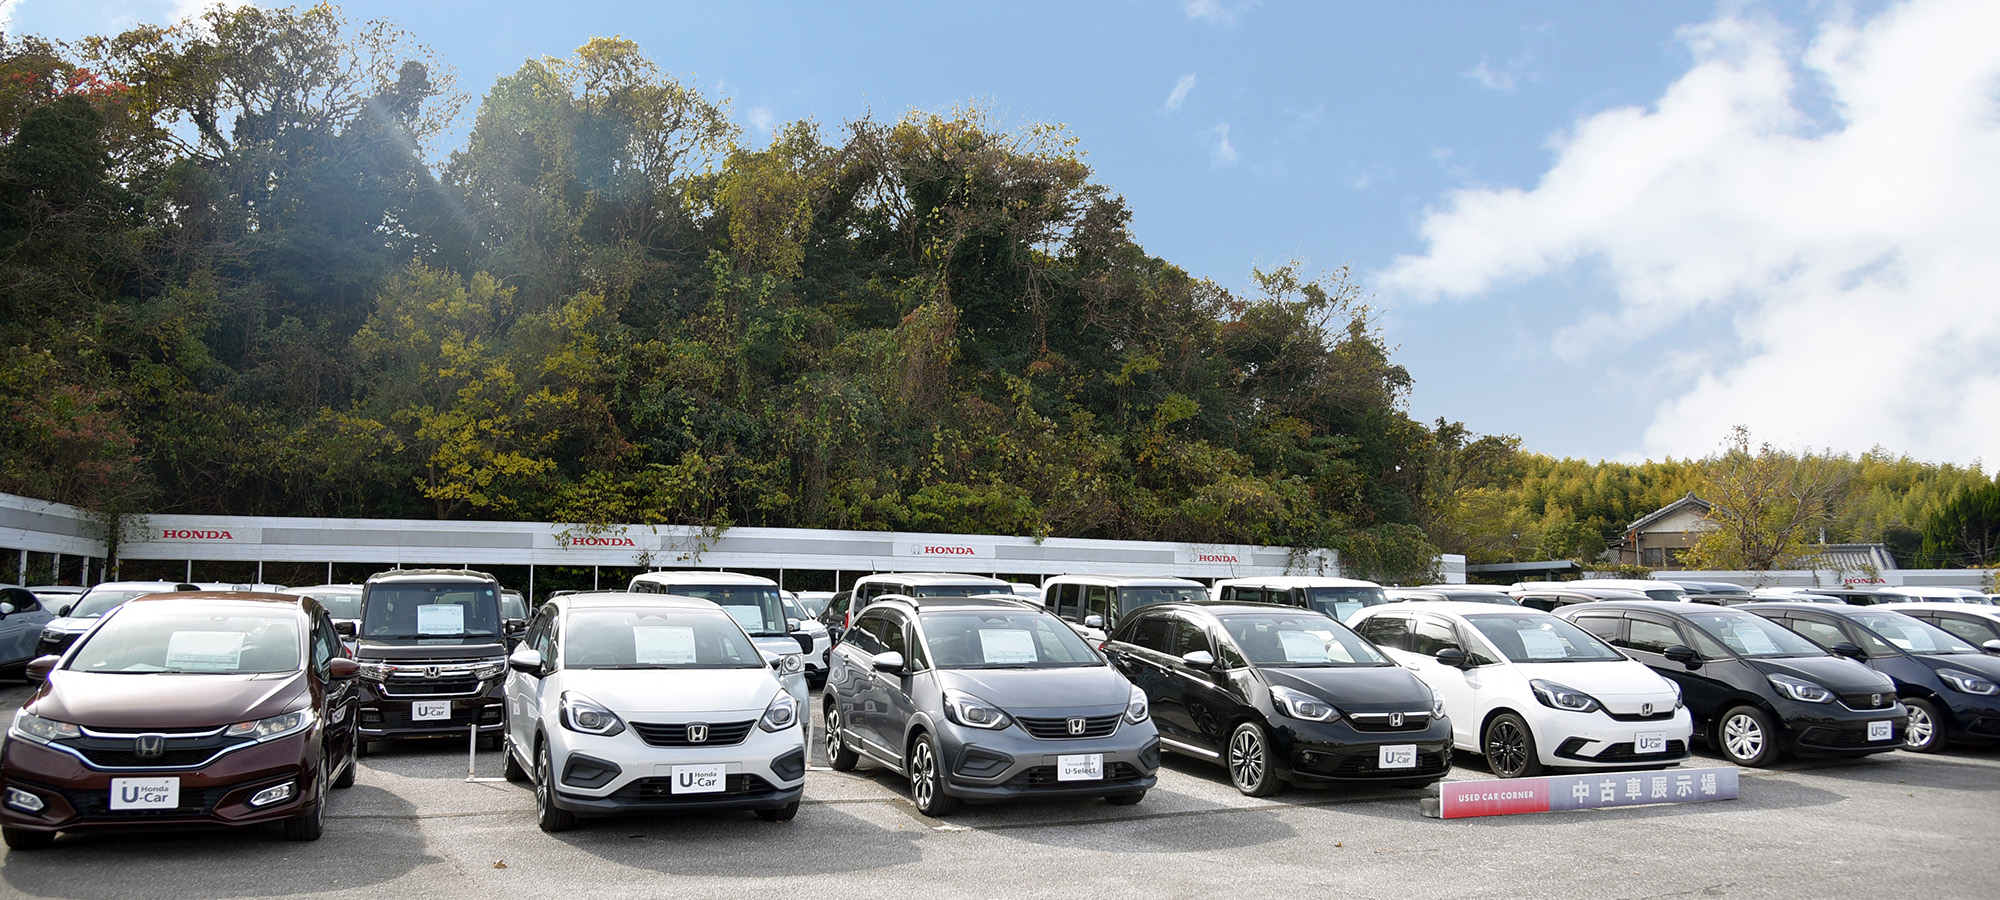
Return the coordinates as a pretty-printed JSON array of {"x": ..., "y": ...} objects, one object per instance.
[{"x": 985, "y": 698}]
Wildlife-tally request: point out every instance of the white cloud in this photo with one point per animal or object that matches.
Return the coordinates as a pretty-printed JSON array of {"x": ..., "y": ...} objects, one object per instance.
[
  {"x": 1221, "y": 12},
  {"x": 1180, "y": 91},
  {"x": 761, "y": 119},
  {"x": 1220, "y": 151},
  {"x": 1847, "y": 259},
  {"x": 1504, "y": 80},
  {"x": 183, "y": 9}
]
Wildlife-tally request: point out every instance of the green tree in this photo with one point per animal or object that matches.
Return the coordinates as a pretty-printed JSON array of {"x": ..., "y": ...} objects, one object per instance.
[
  {"x": 1766, "y": 507},
  {"x": 1965, "y": 531}
]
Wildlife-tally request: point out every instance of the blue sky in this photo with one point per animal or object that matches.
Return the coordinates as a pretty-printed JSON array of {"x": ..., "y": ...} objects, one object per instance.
[{"x": 1615, "y": 230}]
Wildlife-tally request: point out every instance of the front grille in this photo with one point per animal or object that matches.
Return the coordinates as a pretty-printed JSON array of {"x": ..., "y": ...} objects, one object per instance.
[
  {"x": 1058, "y": 729},
  {"x": 1623, "y": 752},
  {"x": 1661, "y": 716},
  {"x": 456, "y": 687},
  {"x": 675, "y": 735},
  {"x": 185, "y": 751},
  {"x": 397, "y": 716},
  {"x": 97, "y": 805},
  {"x": 1868, "y": 701},
  {"x": 1371, "y": 764},
  {"x": 1045, "y": 776},
  {"x": 654, "y": 790},
  {"x": 1416, "y": 721}
]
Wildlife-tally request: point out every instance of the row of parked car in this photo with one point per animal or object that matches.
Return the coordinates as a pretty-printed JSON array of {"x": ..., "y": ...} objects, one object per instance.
[{"x": 689, "y": 691}]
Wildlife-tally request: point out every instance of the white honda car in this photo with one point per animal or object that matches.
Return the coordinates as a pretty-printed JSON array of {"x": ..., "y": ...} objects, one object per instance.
[
  {"x": 1532, "y": 691},
  {"x": 623, "y": 703}
]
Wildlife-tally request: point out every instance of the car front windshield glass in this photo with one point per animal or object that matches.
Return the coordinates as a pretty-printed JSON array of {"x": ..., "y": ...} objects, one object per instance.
[
  {"x": 97, "y": 603},
  {"x": 340, "y": 605},
  {"x": 194, "y": 640},
  {"x": 1541, "y": 638},
  {"x": 1003, "y": 639},
  {"x": 1753, "y": 636},
  {"x": 793, "y": 610},
  {"x": 431, "y": 613},
  {"x": 760, "y": 609},
  {"x": 1341, "y": 602},
  {"x": 1131, "y": 598},
  {"x": 513, "y": 605},
  {"x": 656, "y": 639},
  {"x": 1300, "y": 640},
  {"x": 1910, "y": 635}
]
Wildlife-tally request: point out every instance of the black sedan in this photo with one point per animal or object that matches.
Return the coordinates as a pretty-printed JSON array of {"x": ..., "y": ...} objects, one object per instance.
[
  {"x": 1756, "y": 689},
  {"x": 1279, "y": 694},
  {"x": 1950, "y": 686}
]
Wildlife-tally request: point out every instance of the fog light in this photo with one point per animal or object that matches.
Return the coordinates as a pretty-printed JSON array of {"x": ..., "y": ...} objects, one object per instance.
[
  {"x": 274, "y": 794},
  {"x": 23, "y": 800}
]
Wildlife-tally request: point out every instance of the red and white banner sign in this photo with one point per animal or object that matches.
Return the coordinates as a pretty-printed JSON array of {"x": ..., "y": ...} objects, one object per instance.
[{"x": 1556, "y": 793}]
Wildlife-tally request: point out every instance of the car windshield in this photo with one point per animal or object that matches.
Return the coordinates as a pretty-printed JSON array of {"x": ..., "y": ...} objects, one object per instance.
[
  {"x": 1910, "y": 635},
  {"x": 1753, "y": 636},
  {"x": 97, "y": 603},
  {"x": 1131, "y": 598},
  {"x": 760, "y": 609},
  {"x": 339, "y": 604},
  {"x": 1003, "y": 639},
  {"x": 452, "y": 612},
  {"x": 1493, "y": 597},
  {"x": 655, "y": 639},
  {"x": 1300, "y": 640},
  {"x": 194, "y": 640},
  {"x": 793, "y": 610},
  {"x": 958, "y": 590},
  {"x": 814, "y": 605},
  {"x": 1541, "y": 638},
  {"x": 1341, "y": 602},
  {"x": 1669, "y": 594},
  {"x": 513, "y": 605}
]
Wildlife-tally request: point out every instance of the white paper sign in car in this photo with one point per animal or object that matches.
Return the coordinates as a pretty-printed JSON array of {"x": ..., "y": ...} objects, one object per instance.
[
  {"x": 1755, "y": 641},
  {"x": 440, "y": 618},
  {"x": 750, "y": 617},
  {"x": 1303, "y": 647},
  {"x": 1539, "y": 644},
  {"x": 1003, "y": 646},
  {"x": 205, "y": 651},
  {"x": 663, "y": 645},
  {"x": 1916, "y": 638}
]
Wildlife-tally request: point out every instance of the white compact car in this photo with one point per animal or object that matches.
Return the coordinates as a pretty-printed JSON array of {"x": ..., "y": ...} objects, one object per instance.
[
  {"x": 1530, "y": 690},
  {"x": 625, "y": 703}
]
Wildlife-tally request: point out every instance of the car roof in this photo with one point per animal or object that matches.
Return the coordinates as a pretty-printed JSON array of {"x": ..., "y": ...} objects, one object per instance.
[
  {"x": 628, "y": 599},
  {"x": 1292, "y": 581},
  {"x": 702, "y": 576},
  {"x": 931, "y": 578},
  {"x": 467, "y": 575},
  {"x": 982, "y": 601},
  {"x": 1670, "y": 607},
  {"x": 1977, "y": 609},
  {"x": 324, "y": 589},
  {"x": 1231, "y": 608},
  {"x": 1126, "y": 580},
  {"x": 182, "y": 599},
  {"x": 1454, "y": 608},
  {"x": 135, "y": 585}
]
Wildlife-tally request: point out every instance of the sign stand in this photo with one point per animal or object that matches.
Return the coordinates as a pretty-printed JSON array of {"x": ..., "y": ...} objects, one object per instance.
[{"x": 472, "y": 756}]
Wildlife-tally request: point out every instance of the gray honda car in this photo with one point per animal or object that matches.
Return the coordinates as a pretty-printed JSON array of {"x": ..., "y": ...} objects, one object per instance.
[{"x": 985, "y": 698}]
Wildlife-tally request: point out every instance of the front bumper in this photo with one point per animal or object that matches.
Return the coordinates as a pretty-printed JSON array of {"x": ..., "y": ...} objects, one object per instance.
[
  {"x": 386, "y": 715},
  {"x": 1595, "y": 740},
  {"x": 75, "y": 796},
  {"x": 622, "y": 774},
  {"x": 1831, "y": 729},
  {"x": 1338, "y": 752},
  {"x": 1010, "y": 764}
]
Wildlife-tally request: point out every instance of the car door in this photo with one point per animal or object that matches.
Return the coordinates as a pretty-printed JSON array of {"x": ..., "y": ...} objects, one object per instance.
[
  {"x": 1143, "y": 659},
  {"x": 1974, "y": 628},
  {"x": 1878, "y": 654},
  {"x": 860, "y": 700},
  {"x": 1202, "y": 709},
  {"x": 21, "y": 627},
  {"x": 894, "y": 690},
  {"x": 1706, "y": 688},
  {"x": 524, "y": 689},
  {"x": 1466, "y": 692},
  {"x": 336, "y": 699}
]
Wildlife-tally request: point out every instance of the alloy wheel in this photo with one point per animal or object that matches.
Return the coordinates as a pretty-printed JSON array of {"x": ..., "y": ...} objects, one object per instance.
[
  {"x": 1246, "y": 757},
  {"x": 1921, "y": 729},
  {"x": 923, "y": 775},
  {"x": 1506, "y": 748}
]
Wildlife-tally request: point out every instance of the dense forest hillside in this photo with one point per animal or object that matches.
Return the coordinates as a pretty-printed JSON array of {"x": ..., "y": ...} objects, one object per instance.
[{"x": 238, "y": 274}]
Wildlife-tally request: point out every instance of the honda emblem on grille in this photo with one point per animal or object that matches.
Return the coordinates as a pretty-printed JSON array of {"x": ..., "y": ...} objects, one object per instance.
[
  {"x": 1076, "y": 724},
  {"x": 149, "y": 746},
  {"x": 697, "y": 734},
  {"x": 1645, "y": 709},
  {"x": 1395, "y": 720},
  {"x": 430, "y": 671},
  {"x": 1875, "y": 700}
]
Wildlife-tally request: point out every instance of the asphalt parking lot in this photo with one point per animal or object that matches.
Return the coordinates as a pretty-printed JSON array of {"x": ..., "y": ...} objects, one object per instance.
[{"x": 1894, "y": 825}]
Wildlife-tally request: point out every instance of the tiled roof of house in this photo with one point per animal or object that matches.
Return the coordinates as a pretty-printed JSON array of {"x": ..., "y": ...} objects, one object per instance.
[
  {"x": 1688, "y": 502},
  {"x": 1856, "y": 557}
]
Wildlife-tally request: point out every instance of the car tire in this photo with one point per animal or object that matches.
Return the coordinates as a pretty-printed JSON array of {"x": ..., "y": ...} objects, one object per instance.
[
  {"x": 1249, "y": 761},
  {"x": 26, "y": 839},
  {"x": 1925, "y": 733},
  {"x": 1745, "y": 736},
  {"x": 839, "y": 756},
  {"x": 512, "y": 769},
  {"x": 309, "y": 825},
  {"x": 350, "y": 766},
  {"x": 781, "y": 814},
  {"x": 547, "y": 815},
  {"x": 1125, "y": 799},
  {"x": 1510, "y": 747},
  {"x": 927, "y": 778},
  {"x": 490, "y": 741}
]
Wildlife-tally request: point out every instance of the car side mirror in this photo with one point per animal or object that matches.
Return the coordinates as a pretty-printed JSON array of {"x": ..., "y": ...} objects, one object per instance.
[
  {"x": 1199, "y": 659},
  {"x": 6, "y": 609},
  {"x": 346, "y": 628},
  {"x": 527, "y": 661},
  {"x": 63, "y": 611},
  {"x": 1453, "y": 657},
  {"x": 342, "y": 667},
  {"x": 1684, "y": 655},
  {"x": 1848, "y": 650},
  {"x": 1093, "y": 621},
  {"x": 514, "y": 626},
  {"x": 791, "y": 624},
  {"x": 40, "y": 666},
  {"x": 1992, "y": 647},
  {"x": 890, "y": 662}
]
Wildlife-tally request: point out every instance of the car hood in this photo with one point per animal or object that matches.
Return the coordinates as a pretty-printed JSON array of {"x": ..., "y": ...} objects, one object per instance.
[
  {"x": 1836, "y": 674},
  {"x": 1621, "y": 685},
  {"x": 1024, "y": 691},
  {"x": 164, "y": 702},
  {"x": 69, "y": 625},
  {"x": 1376, "y": 689},
  {"x": 642, "y": 692},
  {"x": 1979, "y": 664}
]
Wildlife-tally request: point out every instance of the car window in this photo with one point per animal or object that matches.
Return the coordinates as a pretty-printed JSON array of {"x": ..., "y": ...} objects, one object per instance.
[
  {"x": 1132, "y": 598},
  {"x": 1153, "y": 633},
  {"x": 324, "y": 646},
  {"x": 1605, "y": 627},
  {"x": 1097, "y": 602},
  {"x": 1341, "y": 602},
  {"x": 1541, "y": 638},
  {"x": 1651, "y": 636},
  {"x": 889, "y": 628},
  {"x": 1188, "y": 638},
  {"x": 1003, "y": 639},
  {"x": 866, "y": 635},
  {"x": 1970, "y": 631},
  {"x": 1825, "y": 634},
  {"x": 1392, "y": 632},
  {"x": 1433, "y": 635}
]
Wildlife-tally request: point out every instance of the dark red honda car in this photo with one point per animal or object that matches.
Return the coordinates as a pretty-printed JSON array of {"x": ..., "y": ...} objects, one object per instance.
[{"x": 186, "y": 708}]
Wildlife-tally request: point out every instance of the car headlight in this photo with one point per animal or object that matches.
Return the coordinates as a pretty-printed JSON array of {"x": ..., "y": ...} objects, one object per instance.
[
  {"x": 789, "y": 664},
  {"x": 40, "y": 730},
  {"x": 1555, "y": 696},
  {"x": 1437, "y": 705},
  {"x": 580, "y": 713},
  {"x": 489, "y": 669},
  {"x": 1137, "y": 709},
  {"x": 1680, "y": 698},
  {"x": 271, "y": 726},
  {"x": 1968, "y": 682},
  {"x": 973, "y": 712},
  {"x": 377, "y": 671},
  {"x": 781, "y": 714},
  {"x": 1800, "y": 689},
  {"x": 1300, "y": 705}
]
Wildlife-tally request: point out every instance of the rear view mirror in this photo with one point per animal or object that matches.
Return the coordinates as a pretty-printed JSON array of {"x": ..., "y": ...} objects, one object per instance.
[
  {"x": 1200, "y": 659},
  {"x": 890, "y": 662},
  {"x": 1683, "y": 655},
  {"x": 1848, "y": 650},
  {"x": 1452, "y": 656}
]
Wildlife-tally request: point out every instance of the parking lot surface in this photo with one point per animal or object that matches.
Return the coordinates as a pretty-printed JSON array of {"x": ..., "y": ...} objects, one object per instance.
[{"x": 1889, "y": 826}]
